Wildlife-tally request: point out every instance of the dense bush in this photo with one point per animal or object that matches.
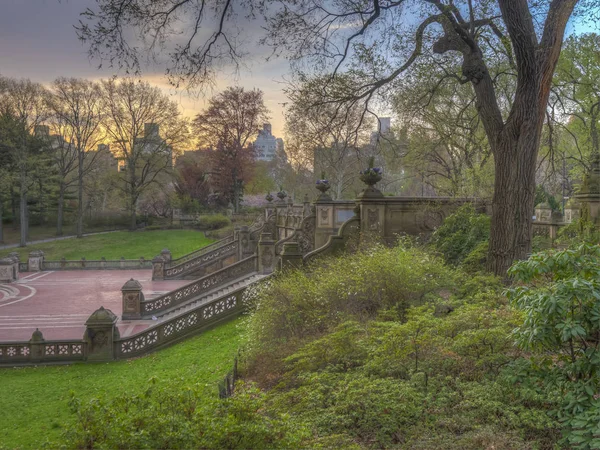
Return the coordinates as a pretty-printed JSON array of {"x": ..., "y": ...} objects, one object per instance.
[
  {"x": 169, "y": 416},
  {"x": 462, "y": 233},
  {"x": 559, "y": 295},
  {"x": 213, "y": 221},
  {"x": 359, "y": 286}
]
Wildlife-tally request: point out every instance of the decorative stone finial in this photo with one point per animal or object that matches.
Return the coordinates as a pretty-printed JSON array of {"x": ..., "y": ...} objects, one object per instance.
[
  {"x": 102, "y": 316},
  {"x": 132, "y": 285},
  {"x": 37, "y": 336}
]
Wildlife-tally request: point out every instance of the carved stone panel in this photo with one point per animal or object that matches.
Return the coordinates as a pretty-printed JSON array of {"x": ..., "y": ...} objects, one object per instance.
[{"x": 373, "y": 219}]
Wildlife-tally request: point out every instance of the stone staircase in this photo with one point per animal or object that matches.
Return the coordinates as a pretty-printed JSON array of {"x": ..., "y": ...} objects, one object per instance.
[{"x": 211, "y": 296}]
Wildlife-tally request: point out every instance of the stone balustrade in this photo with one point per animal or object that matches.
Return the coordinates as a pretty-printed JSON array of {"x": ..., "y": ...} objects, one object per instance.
[{"x": 162, "y": 303}]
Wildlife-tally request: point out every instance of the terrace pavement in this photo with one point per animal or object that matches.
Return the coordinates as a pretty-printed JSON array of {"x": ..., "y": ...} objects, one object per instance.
[{"x": 59, "y": 302}]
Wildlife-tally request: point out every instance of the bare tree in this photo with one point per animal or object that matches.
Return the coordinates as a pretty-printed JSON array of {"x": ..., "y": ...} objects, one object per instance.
[
  {"x": 144, "y": 127},
  {"x": 76, "y": 117},
  {"x": 377, "y": 41},
  {"x": 321, "y": 137},
  {"x": 229, "y": 124}
]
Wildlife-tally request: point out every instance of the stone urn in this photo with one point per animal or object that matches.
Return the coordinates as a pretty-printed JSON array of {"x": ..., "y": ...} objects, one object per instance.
[
  {"x": 323, "y": 186},
  {"x": 269, "y": 197},
  {"x": 281, "y": 195},
  {"x": 371, "y": 176}
]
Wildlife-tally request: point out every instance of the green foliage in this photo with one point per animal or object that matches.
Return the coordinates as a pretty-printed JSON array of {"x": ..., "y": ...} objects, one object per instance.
[
  {"x": 358, "y": 286},
  {"x": 168, "y": 416},
  {"x": 461, "y": 233},
  {"x": 422, "y": 383},
  {"x": 35, "y": 401},
  {"x": 389, "y": 348},
  {"x": 559, "y": 295},
  {"x": 213, "y": 222}
]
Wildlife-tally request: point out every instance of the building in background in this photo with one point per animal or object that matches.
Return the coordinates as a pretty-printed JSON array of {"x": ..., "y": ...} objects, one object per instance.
[{"x": 266, "y": 145}]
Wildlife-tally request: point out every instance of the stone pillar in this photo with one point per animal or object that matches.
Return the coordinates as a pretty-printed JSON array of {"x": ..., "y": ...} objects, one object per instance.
[
  {"x": 132, "y": 296},
  {"x": 244, "y": 247},
  {"x": 37, "y": 343},
  {"x": 16, "y": 260},
  {"x": 36, "y": 261},
  {"x": 166, "y": 254},
  {"x": 306, "y": 207},
  {"x": 7, "y": 270},
  {"x": 291, "y": 258},
  {"x": 266, "y": 253},
  {"x": 100, "y": 334},
  {"x": 158, "y": 268}
]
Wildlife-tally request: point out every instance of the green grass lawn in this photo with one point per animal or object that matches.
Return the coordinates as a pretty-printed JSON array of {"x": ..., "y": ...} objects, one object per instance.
[
  {"x": 130, "y": 244},
  {"x": 34, "y": 401}
]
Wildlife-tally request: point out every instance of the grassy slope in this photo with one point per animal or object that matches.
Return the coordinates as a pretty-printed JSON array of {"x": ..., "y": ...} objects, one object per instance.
[
  {"x": 131, "y": 245},
  {"x": 34, "y": 401}
]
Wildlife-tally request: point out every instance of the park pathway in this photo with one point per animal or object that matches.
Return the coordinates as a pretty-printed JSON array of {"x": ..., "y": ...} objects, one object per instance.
[{"x": 58, "y": 238}]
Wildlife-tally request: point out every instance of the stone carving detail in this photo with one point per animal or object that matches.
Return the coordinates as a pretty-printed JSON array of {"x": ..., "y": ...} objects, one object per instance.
[
  {"x": 164, "y": 332},
  {"x": 267, "y": 257},
  {"x": 324, "y": 216},
  {"x": 130, "y": 303},
  {"x": 373, "y": 219},
  {"x": 306, "y": 235}
]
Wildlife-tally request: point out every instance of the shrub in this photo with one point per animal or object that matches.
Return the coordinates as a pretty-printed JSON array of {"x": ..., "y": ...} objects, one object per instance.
[
  {"x": 169, "y": 416},
  {"x": 461, "y": 233},
  {"x": 302, "y": 304},
  {"x": 213, "y": 222},
  {"x": 559, "y": 296}
]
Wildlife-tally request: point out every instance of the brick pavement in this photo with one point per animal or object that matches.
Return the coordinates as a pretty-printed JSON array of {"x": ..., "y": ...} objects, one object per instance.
[{"x": 59, "y": 303}]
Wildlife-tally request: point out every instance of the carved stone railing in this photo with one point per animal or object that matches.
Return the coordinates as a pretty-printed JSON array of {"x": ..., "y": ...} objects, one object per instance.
[
  {"x": 101, "y": 264},
  {"x": 158, "y": 305},
  {"x": 200, "y": 252},
  {"x": 336, "y": 243},
  {"x": 224, "y": 251},
  {"x": 180, "y": 327},
  {"x": 28, "y": 352}
]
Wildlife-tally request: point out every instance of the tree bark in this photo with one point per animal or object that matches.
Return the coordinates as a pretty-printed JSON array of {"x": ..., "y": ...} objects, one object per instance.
[
  {"x": 60, "y": 213},
  {"x": 80, "y": 195}
]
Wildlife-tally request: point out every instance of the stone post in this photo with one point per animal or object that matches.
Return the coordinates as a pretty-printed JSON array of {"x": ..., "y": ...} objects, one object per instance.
[
  {"x": 103, "y": 263},
  {"x": 306, "y": 206},
  {"x": 16, "y": 260},
  {"x": 266, "y": 253},
  {"x": 132, "y": 300},
  {"x": 166, "y": 254},
  {"x": 37, "y": 342},
  {"x": 7, "y": 271},
  {"x": 291, "y": 258},
  {"x": 100, "y": 334},
  {"x": 36, "y": 261},
  {"x": 158, "y": 268},
  {"x": 244, "y": 247}
]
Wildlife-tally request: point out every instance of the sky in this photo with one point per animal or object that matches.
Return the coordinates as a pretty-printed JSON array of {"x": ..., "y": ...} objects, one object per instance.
[{"x": 38, "y": 41}]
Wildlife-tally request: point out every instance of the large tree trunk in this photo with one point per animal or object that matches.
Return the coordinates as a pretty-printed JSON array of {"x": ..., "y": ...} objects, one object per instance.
[
  {"x": 513, "y": 201},
  {"x": 61, "y": 209},
  {"x": 80, "y": 195}
]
